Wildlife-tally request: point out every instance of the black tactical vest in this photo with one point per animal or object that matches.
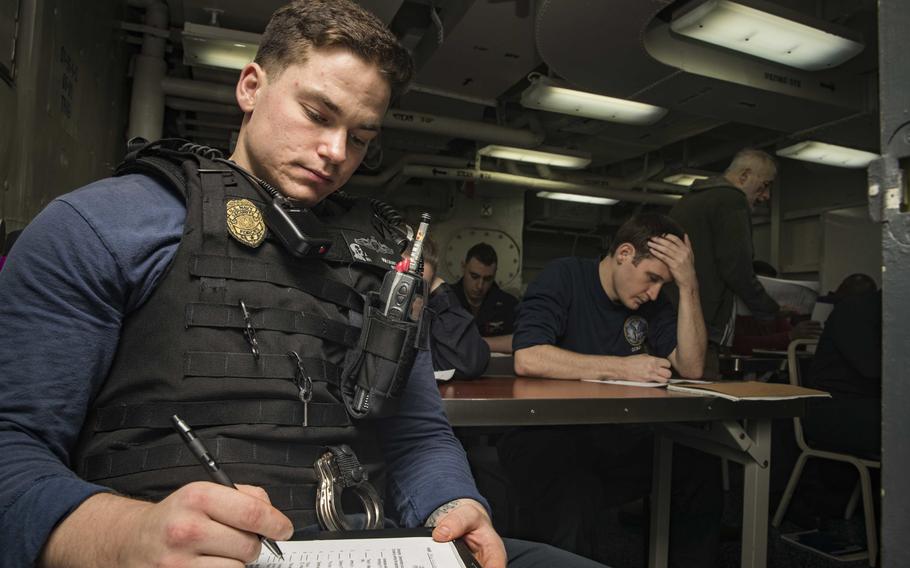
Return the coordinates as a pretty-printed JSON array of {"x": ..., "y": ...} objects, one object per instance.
[{"x": 189, "y": 351}]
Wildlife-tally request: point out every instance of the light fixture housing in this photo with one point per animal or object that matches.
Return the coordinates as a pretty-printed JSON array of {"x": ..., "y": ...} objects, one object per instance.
[
  {"x": 577, "y": 198},
  {"x": 767, "y": 31},
  {"x": 210, "y": 46},
  {"x": 829, "y": 154},
  {"x": 543, "y": 94},
  {"x": 558, "y": 157},
  {"x": 684, "y": 178}
]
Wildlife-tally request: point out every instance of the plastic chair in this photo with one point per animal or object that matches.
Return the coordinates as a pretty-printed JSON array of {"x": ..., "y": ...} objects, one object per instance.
[{"x": 862, "y": 465}]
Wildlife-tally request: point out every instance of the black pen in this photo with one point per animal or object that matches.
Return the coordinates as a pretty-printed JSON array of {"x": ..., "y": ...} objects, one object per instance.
[{"x": 215, "y": 472}]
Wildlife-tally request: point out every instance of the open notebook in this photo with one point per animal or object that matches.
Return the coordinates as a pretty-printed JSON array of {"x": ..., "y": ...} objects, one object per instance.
[
  {"x": 747, "y": 390},
  {"x": 732, "y": 390}
]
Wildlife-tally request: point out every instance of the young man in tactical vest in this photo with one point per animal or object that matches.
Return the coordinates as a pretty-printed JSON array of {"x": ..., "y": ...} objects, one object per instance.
[{"x": 144, "y": 296}]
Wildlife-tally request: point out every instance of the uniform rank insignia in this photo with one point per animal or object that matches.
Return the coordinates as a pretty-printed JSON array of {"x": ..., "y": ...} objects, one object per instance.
[{"x": 244, "y": 222}]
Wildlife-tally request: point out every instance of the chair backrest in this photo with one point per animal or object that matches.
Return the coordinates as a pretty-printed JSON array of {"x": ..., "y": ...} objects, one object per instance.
[{"x": 795, "y": 369}]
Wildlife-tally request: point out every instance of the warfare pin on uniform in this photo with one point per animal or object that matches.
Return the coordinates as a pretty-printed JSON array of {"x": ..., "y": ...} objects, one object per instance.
[{"x": 244, "y": 222}]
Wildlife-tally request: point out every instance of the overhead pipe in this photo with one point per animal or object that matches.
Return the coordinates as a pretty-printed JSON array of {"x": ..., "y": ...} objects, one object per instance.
[
  {"x": 147, "y": 98},
  {"x": 526, "y": 182},
  {"x": 191, "y": 105},
  {"x": 383, "y": 177},
  {"x": 589, "y": 179},
  {"x": 200, "y": 90},
  {"x": 417, "y": 88},
  {"x": 196, "y": 123},
  {"x": 458, "y": 128},
  {"x": 593, "y": 180}
]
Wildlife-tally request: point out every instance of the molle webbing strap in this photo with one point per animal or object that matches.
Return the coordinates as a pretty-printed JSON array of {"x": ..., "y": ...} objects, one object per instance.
[
  {"x": 271, "y": 319},
  {"x": 285, "y": 497},
  {"x": 296, "y": 501},
  {"x": 213, "y": 202},
  {"x": 236, "y": 268},
  {"x": 385, "y": 340},
  {"x": 268, "y": 366},
  {"x": 301, "y": 518},
  {"x": 224, "y": 450},
  {"x": 220, "y": 413}
]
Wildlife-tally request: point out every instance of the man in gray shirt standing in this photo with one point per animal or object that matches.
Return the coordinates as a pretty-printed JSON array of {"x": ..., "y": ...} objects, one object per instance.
[{"x": 717, "y": 216}]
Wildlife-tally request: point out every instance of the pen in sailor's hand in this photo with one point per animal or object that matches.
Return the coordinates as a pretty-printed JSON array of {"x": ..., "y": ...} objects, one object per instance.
[{"x": 214, "y": 470}]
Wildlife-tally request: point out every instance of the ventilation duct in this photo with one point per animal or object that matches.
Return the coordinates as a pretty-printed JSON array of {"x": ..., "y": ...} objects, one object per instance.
[{"x": 526, "y": 182}]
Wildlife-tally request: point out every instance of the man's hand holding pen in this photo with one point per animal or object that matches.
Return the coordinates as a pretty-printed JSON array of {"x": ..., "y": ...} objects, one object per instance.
[
  {"x": 200, "y": 524},
  {"x": 646, "y": 368},
  {"x": 207, "y": 519}
]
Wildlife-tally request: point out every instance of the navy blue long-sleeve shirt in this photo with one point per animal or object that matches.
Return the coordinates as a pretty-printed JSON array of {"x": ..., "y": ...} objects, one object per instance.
[
  {"x": 566, "y": 306},
  {"x": 83, "y": 265}
]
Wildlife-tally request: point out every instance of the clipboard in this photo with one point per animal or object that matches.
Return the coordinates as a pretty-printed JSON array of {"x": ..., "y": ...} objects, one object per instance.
[{"x": 461, "y": 556}]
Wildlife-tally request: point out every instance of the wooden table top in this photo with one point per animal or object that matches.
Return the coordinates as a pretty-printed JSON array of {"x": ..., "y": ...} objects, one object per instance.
[{"x": 521, "y": 401}]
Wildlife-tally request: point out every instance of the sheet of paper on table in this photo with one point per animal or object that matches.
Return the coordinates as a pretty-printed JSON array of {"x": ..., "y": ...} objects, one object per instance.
[
  {"x": 653, "y": 384},
  {"x": 401, "y": 552},
  {"x": 444, "y": 375}
]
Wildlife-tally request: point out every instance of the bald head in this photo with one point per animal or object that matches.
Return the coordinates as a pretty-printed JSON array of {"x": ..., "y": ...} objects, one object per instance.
[{"x": 752, "y": 171}]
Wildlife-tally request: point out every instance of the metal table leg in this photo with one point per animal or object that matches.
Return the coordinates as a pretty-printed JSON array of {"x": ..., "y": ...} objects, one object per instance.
[
  {"x": 660, "y": 501},
  {"x": 755, "y": 497},
  {"x": 748, "y": 444}
]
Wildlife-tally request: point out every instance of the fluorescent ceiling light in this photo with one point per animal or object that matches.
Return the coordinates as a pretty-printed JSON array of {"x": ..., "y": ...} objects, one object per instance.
[
  {"x": 545, "y": 96},
  {"x": 684, "y": 179},
  {"x": 577, "y": 198},
  {"x": 210, "y": 46},
  {"x": 829, "y": 154},
  {"x": 760, "y": 33},
  {"x": 562, "y": 160}
]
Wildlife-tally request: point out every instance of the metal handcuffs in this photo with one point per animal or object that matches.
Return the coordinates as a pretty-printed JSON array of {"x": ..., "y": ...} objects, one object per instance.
[{"x": 338, "y": 469}]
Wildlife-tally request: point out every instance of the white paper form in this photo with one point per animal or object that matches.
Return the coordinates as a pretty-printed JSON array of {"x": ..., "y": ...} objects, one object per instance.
[
  {"x": 646, "y": 384},
  {"x": 797, "y": 294},
  {"x": 401, "y": 552},
  {"x": 444, "y": 375}
]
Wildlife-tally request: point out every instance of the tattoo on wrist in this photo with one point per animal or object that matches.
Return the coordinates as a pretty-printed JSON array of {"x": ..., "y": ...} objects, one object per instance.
[{"x": 441, "y": 512}]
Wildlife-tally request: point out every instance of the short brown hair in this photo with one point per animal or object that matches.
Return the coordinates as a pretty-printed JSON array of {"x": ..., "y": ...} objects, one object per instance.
[
  {"x": 640, "y": 229},
  {"x": 483, "y": 252},
  {"x": 301, "y": 25},
  {"x": 430, "y": 254}
]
